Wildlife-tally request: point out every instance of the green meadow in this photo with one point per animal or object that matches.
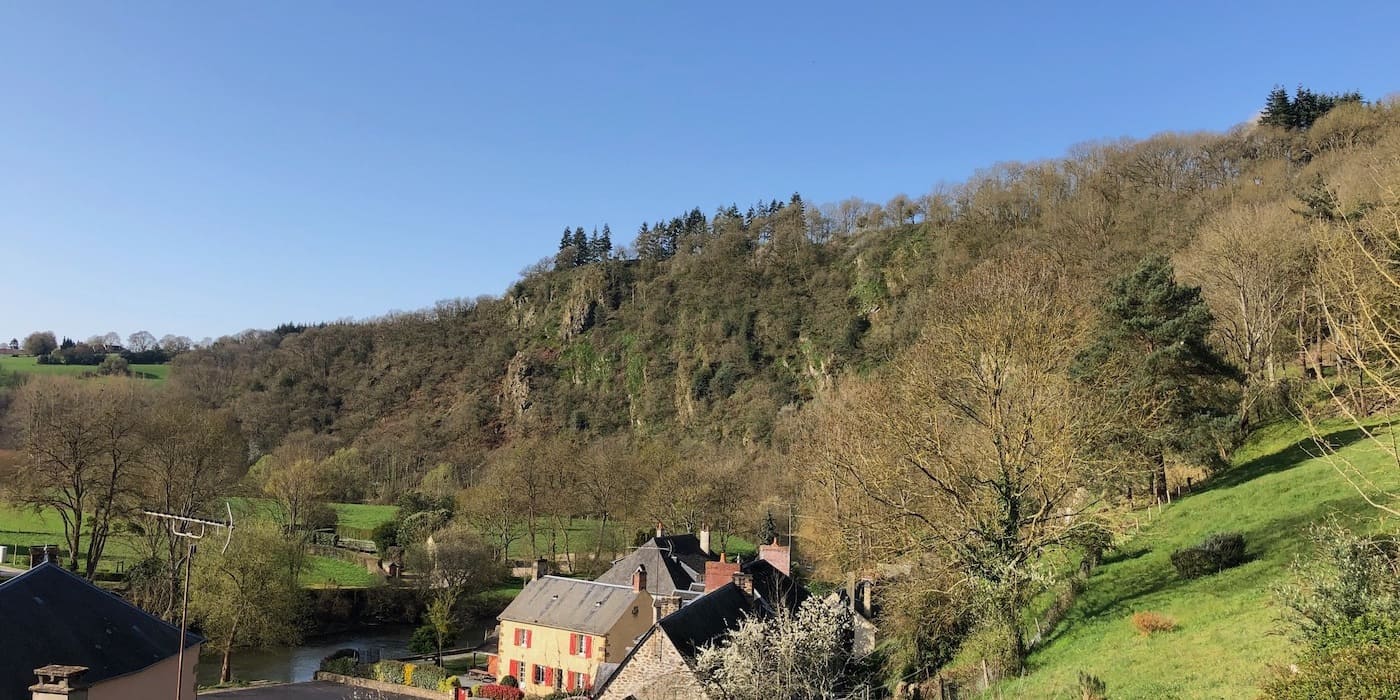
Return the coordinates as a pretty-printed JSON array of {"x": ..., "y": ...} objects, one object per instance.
[{"x": 1230, "y": 624}]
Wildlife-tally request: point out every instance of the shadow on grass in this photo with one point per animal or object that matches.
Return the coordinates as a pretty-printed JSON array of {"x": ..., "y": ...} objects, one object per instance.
[
  {"x": 1119, "y": 556},
  {"x": 1292, "y": 456}
]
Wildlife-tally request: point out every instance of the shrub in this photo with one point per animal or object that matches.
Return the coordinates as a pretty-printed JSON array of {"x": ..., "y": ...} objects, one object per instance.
[
  {"x": 1216, "y": 553},
  {"x": 345, "y": 666},
  {"x": 1362, "y": 672},
  {"x": 510, "y": 682},
  {"x": 499, "y": 692},
  {"x": 1148, "y": 622},
  {"x": 341, "y": 661},
  {"x": 385, "y": 535},
  {"x": 1091, "y": 688},
  {"x": 428, "y": 677},
  {"x": 388, "y": 671}
]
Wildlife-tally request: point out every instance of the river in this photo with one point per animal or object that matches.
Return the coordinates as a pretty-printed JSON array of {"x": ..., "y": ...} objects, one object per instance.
[{"x": 299, "y": 663}]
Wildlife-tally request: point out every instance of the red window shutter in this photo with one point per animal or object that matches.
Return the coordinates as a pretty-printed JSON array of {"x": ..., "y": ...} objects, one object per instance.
[
  {"x": 515, "y": 669},
  {"x": 569, "y": 680},
  {"x": 573, "y": 643},
  {"x": 588, "y": 647},
  {"x": 582, "y": 680},
  {"x": 549, "y": 676},
  {"x": 529, "y": 638}
]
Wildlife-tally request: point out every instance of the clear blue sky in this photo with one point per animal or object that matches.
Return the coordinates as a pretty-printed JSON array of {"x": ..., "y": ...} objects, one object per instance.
[{"x": 203, "y": 167}]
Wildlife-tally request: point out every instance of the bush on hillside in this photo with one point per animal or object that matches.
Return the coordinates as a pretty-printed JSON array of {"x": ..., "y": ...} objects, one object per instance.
[
  {"x": 1092, "y": 688},
  {"x": 1216, "y": 553},
  {"x": 1360, "y": 672},
  {"x": 1148, "y": 622}
]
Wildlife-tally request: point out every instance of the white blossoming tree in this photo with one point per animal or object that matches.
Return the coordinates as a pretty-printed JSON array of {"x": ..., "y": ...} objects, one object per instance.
[{"x": 789, "y": 656}]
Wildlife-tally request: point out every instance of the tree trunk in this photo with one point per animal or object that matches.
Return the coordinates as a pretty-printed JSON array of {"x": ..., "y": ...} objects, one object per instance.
[
  {"x": 226, "y": 669},
  {"x": 1159, "y": 478},
  {"x": 602, "y": 535}
]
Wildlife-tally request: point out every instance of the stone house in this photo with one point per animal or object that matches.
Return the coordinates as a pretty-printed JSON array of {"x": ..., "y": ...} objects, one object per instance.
[
  {"x": 662, "y": 664},
  {"x": 68, "y": 639}
]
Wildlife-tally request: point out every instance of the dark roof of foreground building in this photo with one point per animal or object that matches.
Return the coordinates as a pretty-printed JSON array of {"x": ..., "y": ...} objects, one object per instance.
[
  {"x": 705, "y": 620},
  {"x": 56, "y": 617},
  {"x": 573, "y": 604},
  {"x": 674, "y": 563}
]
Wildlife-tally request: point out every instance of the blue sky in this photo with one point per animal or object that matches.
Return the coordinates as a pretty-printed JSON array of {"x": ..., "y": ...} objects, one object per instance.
[{"x": 202, "y": 168}]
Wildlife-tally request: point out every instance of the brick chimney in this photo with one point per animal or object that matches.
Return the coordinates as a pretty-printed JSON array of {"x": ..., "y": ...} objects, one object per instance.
[
  {"x": 639, "y": 579},
  {"x": 541, "y": 568},
  {"x": 704, "y": 536},
  {"x": 58, "y": 682},
  {"x": 664, "y": 605},
  {"x": 744, "y": 583},
  {"x": 780, "y": 556},
  {"x": 718, "y": 573}
]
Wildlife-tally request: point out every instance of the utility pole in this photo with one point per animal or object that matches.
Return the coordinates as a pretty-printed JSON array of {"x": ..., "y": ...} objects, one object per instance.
[{"x": 183, "y": 526}]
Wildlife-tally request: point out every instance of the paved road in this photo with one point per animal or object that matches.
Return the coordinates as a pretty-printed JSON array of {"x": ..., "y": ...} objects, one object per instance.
[{"x": 316, "y": 690}]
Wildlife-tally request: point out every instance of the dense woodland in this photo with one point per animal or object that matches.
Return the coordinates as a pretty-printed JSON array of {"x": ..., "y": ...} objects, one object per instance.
[{"x": 952, "y": 381}]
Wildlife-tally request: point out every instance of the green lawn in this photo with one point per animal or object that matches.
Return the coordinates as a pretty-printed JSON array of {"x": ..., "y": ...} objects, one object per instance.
[
  {"x": 1230, "y": 629},
  {"x": 329, "y": 572},
  {"x": 359, "y": 516},
  {"x": 21, "y": 526},
  {"x": 30, "y": 365}
]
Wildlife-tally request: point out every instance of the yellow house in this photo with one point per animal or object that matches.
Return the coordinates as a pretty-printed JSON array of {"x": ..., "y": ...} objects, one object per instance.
[{"x": 558, "y": 631}]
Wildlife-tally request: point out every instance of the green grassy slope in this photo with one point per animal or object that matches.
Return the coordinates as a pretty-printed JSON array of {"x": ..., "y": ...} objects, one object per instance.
[{"x": 1229, "y": 622}]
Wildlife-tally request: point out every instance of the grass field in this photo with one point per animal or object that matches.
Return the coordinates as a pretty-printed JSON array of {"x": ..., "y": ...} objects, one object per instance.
[
  {"x": 30, "y": 365},
  {"x": 1230, "y": 629},
  {"x": 328, "y": 572}
]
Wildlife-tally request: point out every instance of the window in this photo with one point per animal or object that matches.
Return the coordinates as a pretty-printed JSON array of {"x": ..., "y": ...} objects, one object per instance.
[
  {"x": 556, "y": 678},
  {"x": 580, "y": 645},
  {"x": 540, "y": 674},
  {"x": 522, "y": 637},
  {"x": 580, "y": 680}
]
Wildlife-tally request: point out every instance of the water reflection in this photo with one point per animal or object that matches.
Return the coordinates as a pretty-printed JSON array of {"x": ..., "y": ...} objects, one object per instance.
[{"x": 299, "y": 663}]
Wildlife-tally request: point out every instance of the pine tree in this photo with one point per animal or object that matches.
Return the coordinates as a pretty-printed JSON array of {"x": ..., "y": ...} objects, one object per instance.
[
  {"x": 1278, "y": 109},
  {"x": 567, "y": 239},
  {"x": 580, "y": 243},
  {"x": 769, "y": 532},
  {"x": 1153, "y": 348},
  {"x": 605, "y": 243}
]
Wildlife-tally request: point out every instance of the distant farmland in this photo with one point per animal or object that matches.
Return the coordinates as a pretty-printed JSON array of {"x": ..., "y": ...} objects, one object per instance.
[{"x": 30, "y": 365}]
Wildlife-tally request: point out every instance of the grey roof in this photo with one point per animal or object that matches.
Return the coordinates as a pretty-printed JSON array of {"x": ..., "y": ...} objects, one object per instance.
[
  {"x": 57, "y": 617},
  {"x": 706, "y": 619},
  {"x": 674, "y": 563},
  {"x": 573, "y": 604}
]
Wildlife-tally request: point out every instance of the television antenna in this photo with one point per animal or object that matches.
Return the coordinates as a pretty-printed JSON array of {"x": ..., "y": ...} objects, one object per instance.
[{"x": 191, "y": 530}]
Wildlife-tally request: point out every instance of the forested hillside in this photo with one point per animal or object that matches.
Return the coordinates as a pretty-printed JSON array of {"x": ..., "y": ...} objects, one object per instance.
[{"x": 710, "y": 332}]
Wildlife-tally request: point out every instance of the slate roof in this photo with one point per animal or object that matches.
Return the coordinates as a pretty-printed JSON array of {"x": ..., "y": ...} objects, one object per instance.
[
  {"x": 674, "y": 563},
  {"x": 706, "y": 619},
  {"x": 573, "y": 604},
  {"x": 53, "y": 616}
]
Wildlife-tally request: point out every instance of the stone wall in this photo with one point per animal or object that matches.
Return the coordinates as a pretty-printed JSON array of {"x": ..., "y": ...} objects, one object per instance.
[
  {"x": 655, "y": 672},
  {"x": 381, "y": 686}
]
